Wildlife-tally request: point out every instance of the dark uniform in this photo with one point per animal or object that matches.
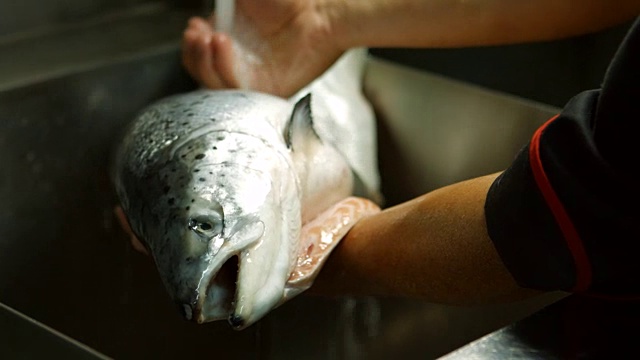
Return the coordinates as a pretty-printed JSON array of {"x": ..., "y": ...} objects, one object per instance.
[{"x": 566, "y": 214}]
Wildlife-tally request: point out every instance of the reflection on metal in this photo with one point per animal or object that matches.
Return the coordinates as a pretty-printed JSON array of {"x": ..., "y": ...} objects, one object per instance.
[
  {"x": 359, "y": 320},
  {"x": 64, "y": 262},
  {"x": 87, "y": 45},
  {"x": 436, "y": 131},
  {"x": 500, "y": 345},
  {"x": 24, "y": 338},
  {"x": 576, "y": 327}
]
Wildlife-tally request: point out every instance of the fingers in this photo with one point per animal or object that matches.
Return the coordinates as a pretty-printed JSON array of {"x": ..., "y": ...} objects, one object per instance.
[
  {"x": 201, "y": 24},
  {"x": 199, "y": 45},
  {"x": 225, "y": 59},
  {"x": 122, "y": 219}
]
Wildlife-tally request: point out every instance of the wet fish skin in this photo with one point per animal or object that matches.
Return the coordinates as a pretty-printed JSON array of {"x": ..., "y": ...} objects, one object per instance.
[
  {"x": 217, "y": 184},
  {"x": 219, "y": 158}
]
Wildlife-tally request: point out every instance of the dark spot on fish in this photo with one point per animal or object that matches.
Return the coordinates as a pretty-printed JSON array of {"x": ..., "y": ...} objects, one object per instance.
[
  {"x": 171, "y": 201},
  {"x": 214, "y": 119},
  {"x": 185, "y": 123},
  {"x": 189, "y": 147},
  {"x": 166, "y": 189},
  {"x": 188, "y": 208},
  {"x": 199, "y": 156},
  {"x": 188, "y": 259},
  {"x": 215, "y": 148},
  {"x": 183, "y": 156},
  {"x": 190, "y": 114},
  {"x": 236, "y": 321},
  {"x": 196, "y": 170},
  {"x": 220, "y": 138},
  {"x": 193, "y": 200},
  {"x": 202, "y": 179},
  {"x": 210, "y": 172}
]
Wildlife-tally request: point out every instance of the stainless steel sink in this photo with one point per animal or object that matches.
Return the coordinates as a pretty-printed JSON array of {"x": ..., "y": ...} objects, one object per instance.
[{"x": 65, "y": 262}]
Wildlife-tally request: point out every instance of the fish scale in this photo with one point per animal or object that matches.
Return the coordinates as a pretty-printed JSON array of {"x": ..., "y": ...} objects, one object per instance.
[{"x": 210, "y": 176}]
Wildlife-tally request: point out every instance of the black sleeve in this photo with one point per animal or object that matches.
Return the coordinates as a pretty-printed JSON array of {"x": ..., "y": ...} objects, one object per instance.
[{"x": 565, "y": 215}]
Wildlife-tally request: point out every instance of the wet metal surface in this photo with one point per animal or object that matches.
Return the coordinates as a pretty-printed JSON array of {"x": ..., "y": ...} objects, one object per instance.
[
  {"x": 573, "y": 328},
  {"x": 34, "y": 58},
  {"x": 63, "y": 259},
  {"x": 24, "y": 338},
  {"x": 551, "y": 72},
  {"x": 436, "y": 131},
  {"x": 27, "y": 15}
]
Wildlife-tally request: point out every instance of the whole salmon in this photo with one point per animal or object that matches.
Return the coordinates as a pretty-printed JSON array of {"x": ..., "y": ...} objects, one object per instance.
[{"x": 217, "y": 184}]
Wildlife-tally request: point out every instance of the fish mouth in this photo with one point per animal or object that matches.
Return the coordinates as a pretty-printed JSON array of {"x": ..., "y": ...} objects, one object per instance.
[
  {"x": 216, "y": 301},
  {"x": 222, "y": 291}
]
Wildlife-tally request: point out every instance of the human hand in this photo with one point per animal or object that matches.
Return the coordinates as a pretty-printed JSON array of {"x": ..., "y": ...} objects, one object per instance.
[{"x": 275, "y": 46}]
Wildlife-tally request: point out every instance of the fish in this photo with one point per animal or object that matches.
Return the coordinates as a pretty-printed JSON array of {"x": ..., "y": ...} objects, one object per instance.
[{"x": 217, "y": 185}]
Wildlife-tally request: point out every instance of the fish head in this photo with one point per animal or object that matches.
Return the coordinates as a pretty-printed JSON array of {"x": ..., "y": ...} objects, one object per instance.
[
  {"x": 214, "y": 232},
  {"x": 218, "y": 200},
  {"x": 224, "y": 227}
]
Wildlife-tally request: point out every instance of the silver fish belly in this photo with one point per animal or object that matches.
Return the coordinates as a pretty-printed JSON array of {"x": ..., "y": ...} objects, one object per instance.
[{"x": 217, "y": 185}]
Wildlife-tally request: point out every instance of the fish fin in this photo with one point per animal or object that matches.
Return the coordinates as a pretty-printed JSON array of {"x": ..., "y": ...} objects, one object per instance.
[{"x": 300, "y": 126}]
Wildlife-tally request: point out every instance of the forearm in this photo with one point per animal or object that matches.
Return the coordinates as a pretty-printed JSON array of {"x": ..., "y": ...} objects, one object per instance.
[
  {"x": 458, "y": 23},
  {"x": 434, "y": 247}
]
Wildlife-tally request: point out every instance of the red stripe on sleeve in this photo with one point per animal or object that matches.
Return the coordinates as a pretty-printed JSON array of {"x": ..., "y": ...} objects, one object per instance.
[{"x": 574, "y": 243}]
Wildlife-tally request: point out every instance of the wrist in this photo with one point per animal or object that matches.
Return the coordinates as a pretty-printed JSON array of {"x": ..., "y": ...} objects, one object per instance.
[
  {"x": 370, "y": 23},
  {"x": 341, "y": 23}
]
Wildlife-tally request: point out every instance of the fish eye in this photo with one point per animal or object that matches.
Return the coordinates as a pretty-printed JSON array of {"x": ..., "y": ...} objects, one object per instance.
[{"x": 205, "y": 227}]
